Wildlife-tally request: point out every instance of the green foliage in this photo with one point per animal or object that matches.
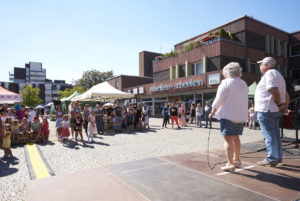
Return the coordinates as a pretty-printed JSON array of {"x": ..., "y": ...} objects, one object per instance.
[
  {"x": 233, "y": 37},
  {"x": 68, "y": 92},
  {"x": 188, "y": 47},
  {"x": 223, "y": 34},
  {"x": 30, "y": 95},
  {"x": 169, "y": 54},
  {"x": 93, "y": 77}
]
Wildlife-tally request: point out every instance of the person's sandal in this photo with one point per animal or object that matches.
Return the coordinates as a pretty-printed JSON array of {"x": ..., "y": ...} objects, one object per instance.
[
  {"x": 228, "y": 168},
  {"x": 237, "y": 163},
  {"x": 267, "y": 163}
]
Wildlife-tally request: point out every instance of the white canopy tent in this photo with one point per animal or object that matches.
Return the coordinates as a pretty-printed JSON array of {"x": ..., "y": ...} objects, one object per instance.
[
  {"x": 49, "y": 104},
  {"x": 102, "y": 92},
  {"x": 39, "y": 107}
]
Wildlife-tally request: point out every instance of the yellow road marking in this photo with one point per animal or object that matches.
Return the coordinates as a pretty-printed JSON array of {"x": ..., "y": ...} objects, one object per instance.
[{"x": 39, "y": 168}]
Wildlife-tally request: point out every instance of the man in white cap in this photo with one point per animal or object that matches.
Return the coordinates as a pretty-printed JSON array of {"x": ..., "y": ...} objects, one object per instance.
[{"x": 270, "y": 98}]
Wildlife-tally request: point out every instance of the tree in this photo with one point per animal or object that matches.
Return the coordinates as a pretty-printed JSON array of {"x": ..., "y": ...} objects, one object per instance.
[
  {"x": 93, "y": 77},
  {"x": 68, "y": 92},
  {"x": 30, "y": 95}
]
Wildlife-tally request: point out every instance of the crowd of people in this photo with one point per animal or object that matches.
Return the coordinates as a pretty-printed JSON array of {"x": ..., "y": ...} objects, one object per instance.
[
  {"x": 178, "y": 115},
  {"x": 96, "y": 120},
  {"x": 19, "y": 124}
]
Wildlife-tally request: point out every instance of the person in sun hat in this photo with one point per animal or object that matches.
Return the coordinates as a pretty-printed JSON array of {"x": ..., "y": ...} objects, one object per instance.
[{"x": 270, "y": 100}]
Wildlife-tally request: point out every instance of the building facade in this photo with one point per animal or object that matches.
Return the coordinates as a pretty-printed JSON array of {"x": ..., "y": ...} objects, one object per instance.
[
  {"x": 192, "y": 72},
  {"x": 35, "y": 75},
  {"x": 123, "y": 82}
]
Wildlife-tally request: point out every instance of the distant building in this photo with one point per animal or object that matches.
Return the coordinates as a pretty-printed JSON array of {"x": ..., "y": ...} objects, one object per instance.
[{"x": 35, "y": 74}]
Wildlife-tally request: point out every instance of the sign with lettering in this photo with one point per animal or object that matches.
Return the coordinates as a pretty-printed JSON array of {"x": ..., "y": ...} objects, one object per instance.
[
  {"x": 178, "y": 85},
  {"x": 141, "y": 90},
  {"x": 214, "y": 79},
  {"x": 135, "y": 91}
]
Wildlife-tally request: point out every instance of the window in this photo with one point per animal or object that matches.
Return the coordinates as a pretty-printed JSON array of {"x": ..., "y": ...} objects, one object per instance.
[
  {"x": 197, "y": 68},
  {"x": 181, "y": 71},
  {"x": 254, "y": 68},
  {"x": 117, "y": 84},
  {"x": 295, "y": 50}
]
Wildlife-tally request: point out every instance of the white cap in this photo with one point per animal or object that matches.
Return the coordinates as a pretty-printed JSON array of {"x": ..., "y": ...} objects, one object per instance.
[{"x": 269, "y": 61}]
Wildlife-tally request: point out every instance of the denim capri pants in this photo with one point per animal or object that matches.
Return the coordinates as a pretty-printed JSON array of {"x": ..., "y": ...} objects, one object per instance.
[{"x": 228, "y": 128}]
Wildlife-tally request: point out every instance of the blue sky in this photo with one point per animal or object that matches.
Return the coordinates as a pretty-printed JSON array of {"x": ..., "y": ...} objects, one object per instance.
[{"x": 70, "y": 36}]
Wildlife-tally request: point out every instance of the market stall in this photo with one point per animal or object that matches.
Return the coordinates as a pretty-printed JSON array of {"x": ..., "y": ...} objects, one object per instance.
[
  {"x": 9, "y": 97},
  {"x": 103, "y": 92}
]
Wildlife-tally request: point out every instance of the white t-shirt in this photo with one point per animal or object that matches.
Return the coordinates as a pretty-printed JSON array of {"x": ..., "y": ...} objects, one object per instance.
[
  {"x": 198, "y": 111},
  {"x": 231, "y": 100},
  {"x": 31, "y": 115},
  {"x": 263, "y": 99}
]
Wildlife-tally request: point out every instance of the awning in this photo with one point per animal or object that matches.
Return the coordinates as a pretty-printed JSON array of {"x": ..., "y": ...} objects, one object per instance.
[{"x": 9, "y": 97}]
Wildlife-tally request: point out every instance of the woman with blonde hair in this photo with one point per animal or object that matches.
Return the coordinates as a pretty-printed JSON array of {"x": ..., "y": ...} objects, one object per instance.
[
  {"x": 231, "y": 107},
  {"x": 199, "y": 111}
]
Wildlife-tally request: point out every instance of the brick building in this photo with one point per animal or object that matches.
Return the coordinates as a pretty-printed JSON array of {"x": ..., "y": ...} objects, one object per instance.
[{"x": 193, "y": 71}]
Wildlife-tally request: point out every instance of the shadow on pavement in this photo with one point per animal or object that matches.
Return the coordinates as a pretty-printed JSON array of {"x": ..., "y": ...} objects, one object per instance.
[
  {"x": 292, "y": 168},
  {"x": 282, "y": 180},
  {"x": 5, "y": 164}
]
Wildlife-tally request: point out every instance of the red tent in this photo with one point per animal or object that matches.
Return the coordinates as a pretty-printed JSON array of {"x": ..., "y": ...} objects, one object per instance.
[{"x": 9, "y": 97}]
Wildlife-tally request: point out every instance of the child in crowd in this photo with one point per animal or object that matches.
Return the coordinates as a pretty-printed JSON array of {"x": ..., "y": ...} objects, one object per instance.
[
  {"x": 92, "y": 126},
  {"x": 65, "y": 132},
  {"x": 252, "y": 117},
  {"x": 78, "y": 123},
  {"x": 15, "y": 128},
  {"x": 45, "y": 129},
  {"x": 36, "y": 128},
  {"x": 25, "y": 128},
  {"x": 6, "y": 141},
  {"x": 1, "y": 131},
  {"x": 8, "y": 121}
]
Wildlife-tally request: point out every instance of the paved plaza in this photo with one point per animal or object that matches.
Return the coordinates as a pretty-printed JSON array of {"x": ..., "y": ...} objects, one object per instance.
[{"x": 114, "y": 149}]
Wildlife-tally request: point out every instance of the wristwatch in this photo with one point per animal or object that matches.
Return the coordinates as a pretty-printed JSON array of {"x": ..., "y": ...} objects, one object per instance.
[{"x": 280, "y": 105}]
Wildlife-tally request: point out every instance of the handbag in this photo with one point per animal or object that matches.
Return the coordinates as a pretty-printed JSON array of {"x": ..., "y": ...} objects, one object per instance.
[{"x": 179, "y": 115}]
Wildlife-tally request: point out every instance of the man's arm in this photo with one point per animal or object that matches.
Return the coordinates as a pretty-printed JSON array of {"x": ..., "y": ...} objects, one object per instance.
[
  {"x": 276, "y": 95},
  {"x": 277, "y": 99}
]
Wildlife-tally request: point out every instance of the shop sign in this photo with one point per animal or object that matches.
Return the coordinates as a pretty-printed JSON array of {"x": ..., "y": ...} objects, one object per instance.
[
  {"x": 178, "y": 85},
  {"x": 141, "y": 90},
  {"x": 135, "y": 91},
  {"x": 214, "y": 79}
]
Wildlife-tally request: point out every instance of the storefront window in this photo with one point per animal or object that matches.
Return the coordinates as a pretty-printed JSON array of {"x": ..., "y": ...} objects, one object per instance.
[
  {"x": 161, "y": 98},
  {"x": 146, "y": 99},
  {"x": 209, "y": 97},
  {"x": 158, "y": 106}
]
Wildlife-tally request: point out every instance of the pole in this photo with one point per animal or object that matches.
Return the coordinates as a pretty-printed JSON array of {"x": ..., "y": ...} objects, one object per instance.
[
  {"x": 297, "y": 121},
  {"x": 282, "y": 124}
]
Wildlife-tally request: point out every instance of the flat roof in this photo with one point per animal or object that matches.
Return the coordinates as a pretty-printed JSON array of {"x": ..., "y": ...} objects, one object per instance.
[
  {"x": 244, "y": 16},
  {"x": 129, "y": 76}
]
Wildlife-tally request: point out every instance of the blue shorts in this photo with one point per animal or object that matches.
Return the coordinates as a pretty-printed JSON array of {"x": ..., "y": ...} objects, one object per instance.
[{"x": 228, "y": 128}]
